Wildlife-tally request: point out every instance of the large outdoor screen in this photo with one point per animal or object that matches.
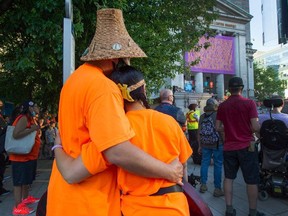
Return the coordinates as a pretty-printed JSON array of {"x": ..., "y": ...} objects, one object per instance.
[{"x": 217, "y": 58}]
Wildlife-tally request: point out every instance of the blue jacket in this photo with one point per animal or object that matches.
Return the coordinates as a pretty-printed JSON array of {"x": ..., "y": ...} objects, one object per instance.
[{"x": 173, "y": 111}]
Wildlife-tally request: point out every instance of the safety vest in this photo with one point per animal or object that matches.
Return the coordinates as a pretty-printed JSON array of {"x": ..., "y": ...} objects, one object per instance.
[{"x": 192, "y": 123}]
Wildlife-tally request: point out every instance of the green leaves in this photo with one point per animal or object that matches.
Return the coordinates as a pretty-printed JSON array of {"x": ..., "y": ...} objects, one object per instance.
[
  {"x": 267, "y": 82},
  {"x": 31, "y": 38}
]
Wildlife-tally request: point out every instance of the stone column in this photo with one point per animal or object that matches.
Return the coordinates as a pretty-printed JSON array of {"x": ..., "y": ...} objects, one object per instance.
[
  {"x": 250, "y": 70},
  {"x": 236, "y": 54},
  {"x": 240, "y": 59},
  {"x": 220, "y": 86},
  {"x": 198, "y": 82}
]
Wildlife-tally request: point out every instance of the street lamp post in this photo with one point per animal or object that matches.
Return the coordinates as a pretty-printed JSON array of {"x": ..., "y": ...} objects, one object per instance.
[{"x": 68, "y": 41}]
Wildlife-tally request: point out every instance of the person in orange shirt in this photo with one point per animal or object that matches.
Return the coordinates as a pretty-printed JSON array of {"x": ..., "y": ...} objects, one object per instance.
[
  {"x": 157, "y": 134},
  {"x": 95, "y": 130},
  {"x": 160, "y": 136},
  {"x": 24, "y": 166}
]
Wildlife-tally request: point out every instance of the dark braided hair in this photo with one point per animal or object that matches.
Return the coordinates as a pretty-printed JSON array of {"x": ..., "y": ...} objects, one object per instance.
[{"x": 129, "y": 75}]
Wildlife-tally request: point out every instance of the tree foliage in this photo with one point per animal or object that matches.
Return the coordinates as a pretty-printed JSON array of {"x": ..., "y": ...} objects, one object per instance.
[
  {"x": 31, "y": 38},
  {"x": 267, "y": 82}
]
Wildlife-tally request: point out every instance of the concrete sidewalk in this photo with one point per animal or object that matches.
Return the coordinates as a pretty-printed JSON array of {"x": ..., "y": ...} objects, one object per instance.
[
  {"x": 272, "y": 207},
  {"x": 37, "y": 189}
]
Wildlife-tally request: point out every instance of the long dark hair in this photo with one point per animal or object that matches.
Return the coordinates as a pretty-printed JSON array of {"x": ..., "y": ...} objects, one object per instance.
[{"x": 129, "y": 75}]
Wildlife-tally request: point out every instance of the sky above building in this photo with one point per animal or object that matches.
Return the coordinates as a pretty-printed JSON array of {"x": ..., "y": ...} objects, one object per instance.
[
  {"x": 256, "y": 24},
  {"x": 256, "y": 28}
]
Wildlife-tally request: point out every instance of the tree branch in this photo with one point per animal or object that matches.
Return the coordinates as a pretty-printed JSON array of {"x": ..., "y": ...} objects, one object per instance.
[{"x": 4, "y": 6}]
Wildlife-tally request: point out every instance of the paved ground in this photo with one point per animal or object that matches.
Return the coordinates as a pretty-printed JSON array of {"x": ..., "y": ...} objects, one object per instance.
[
  {"x": 272, "y": 207},
  {"x": 37, "y": 189}
]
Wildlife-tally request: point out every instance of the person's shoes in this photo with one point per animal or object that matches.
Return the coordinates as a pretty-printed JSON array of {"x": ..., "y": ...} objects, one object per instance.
[
  {"x": 203, "y": 188},
  {"x": 30, "y": 200},
  {"x": 258, "y": 214},
  {"x": 3, "y": 191},
  {"x": 22, "y": 209},
  {"x": 218, "y": 192},
  {"x": 231, "y": 214}
]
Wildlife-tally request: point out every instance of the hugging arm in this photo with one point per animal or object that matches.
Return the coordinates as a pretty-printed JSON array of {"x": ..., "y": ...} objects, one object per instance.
[
  {"x": 72, "y": 170},
  {"x": 134, "y": 160},
  {"x": 124, "y": 155}
]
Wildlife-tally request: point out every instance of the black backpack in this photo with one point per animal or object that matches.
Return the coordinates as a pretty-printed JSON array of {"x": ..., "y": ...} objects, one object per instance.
[{"x": 273, "y": 134}]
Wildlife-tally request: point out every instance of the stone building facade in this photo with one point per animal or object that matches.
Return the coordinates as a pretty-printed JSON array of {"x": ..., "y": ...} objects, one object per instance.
[{"x": 233, "y": 23}]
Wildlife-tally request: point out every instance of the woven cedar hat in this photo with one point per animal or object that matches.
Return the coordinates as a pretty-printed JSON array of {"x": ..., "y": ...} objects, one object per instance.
[{"x": 111, "y": 39}]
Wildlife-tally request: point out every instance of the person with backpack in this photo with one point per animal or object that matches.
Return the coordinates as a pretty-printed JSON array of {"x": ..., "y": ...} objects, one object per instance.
[{"x": 210, "y": 146}]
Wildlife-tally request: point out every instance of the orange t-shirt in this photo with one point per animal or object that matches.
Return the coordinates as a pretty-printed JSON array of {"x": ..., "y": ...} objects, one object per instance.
[
  {"x": 91, "y": 119},
  {"x": 161, "y": 136},
  {"x": 33, "y": 155}
]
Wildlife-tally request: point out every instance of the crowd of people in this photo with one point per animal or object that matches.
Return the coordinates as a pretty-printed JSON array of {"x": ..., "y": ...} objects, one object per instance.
[{"x": 114, "y": 156}]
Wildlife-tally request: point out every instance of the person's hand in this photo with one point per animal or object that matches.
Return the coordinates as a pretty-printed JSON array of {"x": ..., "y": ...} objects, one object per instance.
[{"x": 177, "y": 173}]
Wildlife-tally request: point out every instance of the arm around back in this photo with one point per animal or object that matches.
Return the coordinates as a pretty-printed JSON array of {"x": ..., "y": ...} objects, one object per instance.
[
  {"x": 134, "y": 160},
  {"x": 124, "y": 155},
  {"x": 72, "y": 170}
]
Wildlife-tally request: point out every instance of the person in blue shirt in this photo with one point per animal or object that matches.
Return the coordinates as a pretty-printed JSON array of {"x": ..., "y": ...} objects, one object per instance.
[{"x": 167, "y": 107}]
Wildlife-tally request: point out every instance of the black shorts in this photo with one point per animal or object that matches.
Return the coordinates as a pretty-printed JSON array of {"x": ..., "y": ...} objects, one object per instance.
[
  {"x": 23, "y": 173},
  {"x": 246, "y": 160}
]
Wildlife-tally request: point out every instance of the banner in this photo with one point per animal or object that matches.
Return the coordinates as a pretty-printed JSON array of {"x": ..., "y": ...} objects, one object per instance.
[{"x": 218, "y": 58}]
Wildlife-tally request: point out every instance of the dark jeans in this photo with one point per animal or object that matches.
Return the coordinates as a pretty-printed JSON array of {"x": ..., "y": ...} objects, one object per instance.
[
  {"x": 193, "y": 140},
  {"x": 194, "y": 145}
]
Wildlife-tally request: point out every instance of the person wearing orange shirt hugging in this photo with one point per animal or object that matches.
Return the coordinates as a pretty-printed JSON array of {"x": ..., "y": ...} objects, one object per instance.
[
  {"x": 157, "y": 134},
  {"x": 96, "y": 131}
]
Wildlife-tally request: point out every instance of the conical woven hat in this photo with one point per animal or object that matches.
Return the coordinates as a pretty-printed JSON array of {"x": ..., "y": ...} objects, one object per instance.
[{"x": 111, "y": 39}]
